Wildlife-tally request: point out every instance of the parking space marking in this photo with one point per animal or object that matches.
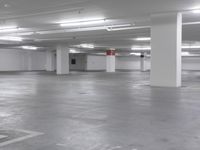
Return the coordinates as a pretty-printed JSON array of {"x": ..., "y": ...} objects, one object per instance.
[
  {"x": 3, "y": 136},
  {"x": 31, "y": 134}
]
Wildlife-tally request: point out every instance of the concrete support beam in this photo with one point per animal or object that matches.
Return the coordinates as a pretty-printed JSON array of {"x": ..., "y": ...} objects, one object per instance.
[
  {"x": 166, "y": 40},
  {"x": 62, "y": 58}
]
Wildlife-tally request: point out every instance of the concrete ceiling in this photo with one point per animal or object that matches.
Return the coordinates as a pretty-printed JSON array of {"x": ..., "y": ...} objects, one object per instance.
[{"x": 44, "y": 15}]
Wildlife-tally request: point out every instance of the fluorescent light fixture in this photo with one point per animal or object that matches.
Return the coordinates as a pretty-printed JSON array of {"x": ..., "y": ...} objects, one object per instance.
[
  {"x": 191, "y": 23},
  {"x": 197, "y": 11},
  {"x": 73, "y": 51},
  {"x": 81, "y": 20},
  {"x": 25, "y": 33},
  {"x": 143, "y": 39},
  {"x": 101, "y": 54},
  {"x": 185, "y": 54},
  {"x": 108, "y": 28},
  {"x": 120, "y": 29},
  {"x": 126, "y": 28},
  {"x": 119, "y": 26},
  {"x": 71, "y": 30},
  {"x": 50, "y": 32},
  {"x": 11, "y": 38},
  {"x": 136, "y": 54},
  {"x": 30, "y": 47},
  {"x": 86, "y": 29},
  {"x": 191, "y": 47},
  {"x": 149, "y": 48},
  {"x": 90, "y": 46},
  {"x": 141, "y": 48},
  {"x": 8, "y": 29},
  {"x": 82, "y": 23}
]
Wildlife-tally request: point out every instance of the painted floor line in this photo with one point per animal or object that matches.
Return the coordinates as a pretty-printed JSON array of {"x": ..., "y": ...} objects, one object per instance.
[
  {"x": 31, "y": 135},
  {"x": 3, "y": 136}
]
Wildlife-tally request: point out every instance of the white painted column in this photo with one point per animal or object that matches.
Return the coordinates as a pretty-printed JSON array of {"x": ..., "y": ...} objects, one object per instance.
[
  {"x": 142, "y": 62},
  {"x": 50, "y": 61},
  {"x": 166, "y": 40},
  {"x": 110, "y": 61},
  {"x": 62, "y": 58}
]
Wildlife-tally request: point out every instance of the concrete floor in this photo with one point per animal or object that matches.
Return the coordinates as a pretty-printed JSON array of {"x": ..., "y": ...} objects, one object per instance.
[{"x": 99, "y": 111}]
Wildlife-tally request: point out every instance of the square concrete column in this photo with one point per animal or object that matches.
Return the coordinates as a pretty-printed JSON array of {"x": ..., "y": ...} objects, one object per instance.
[
  {"x": 50, "y": 61},
  {"x": 166, "y": 41},
  {"x": 110, "y": 61},
  {"x": 62, "y": 58}
]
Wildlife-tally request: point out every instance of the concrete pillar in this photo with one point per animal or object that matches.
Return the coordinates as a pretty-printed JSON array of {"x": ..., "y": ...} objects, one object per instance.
[
  {"x": 166, "y": 41},
  {"x": 62, "y": 58},
  {"x": 110, "y": 61},
  {"x": 50, "y": 61},
  {"x": 142, "y": 62}
]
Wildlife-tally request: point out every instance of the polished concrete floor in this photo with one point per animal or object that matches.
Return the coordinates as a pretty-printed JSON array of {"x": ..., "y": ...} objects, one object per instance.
[{"x": 99, "y": 111}]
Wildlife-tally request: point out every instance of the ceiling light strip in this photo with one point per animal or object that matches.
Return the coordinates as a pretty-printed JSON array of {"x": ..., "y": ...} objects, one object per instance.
[
  {"x": 191, "y": 23},
  {"x": 81, "y": 23},
  {"x": 11, "y": 38},
  {"x": 90, "y": 46},
  {"x": 9, "y": 29},
  {"x": 143, "y": 39},
  {"x": 30, "y": 47},
  {"x": 149, "y": 48},
  {"x": 128, "y": 28}
]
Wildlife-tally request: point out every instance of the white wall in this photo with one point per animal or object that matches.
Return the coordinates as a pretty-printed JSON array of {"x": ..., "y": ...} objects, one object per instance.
[
  {"x": 133, "y": 63},
  {"x": 95, "y": 63},
  {"x": 38, "y": 60},
  {"x": 81, "y": 62},
  {"x": 11, "y": 60},
  {"x": 21, "y": 60},
  {"x": 50, "y": 61},
  {"x": 130, "y": 63},
  {"x": 191, "y": 63}
]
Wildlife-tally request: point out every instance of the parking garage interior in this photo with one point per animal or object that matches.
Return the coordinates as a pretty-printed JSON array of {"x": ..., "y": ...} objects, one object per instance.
[{"x": 99, "y": 75}]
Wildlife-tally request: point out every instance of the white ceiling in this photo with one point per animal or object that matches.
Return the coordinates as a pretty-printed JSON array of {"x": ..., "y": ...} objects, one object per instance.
[{"x": 42, "y": 15}]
